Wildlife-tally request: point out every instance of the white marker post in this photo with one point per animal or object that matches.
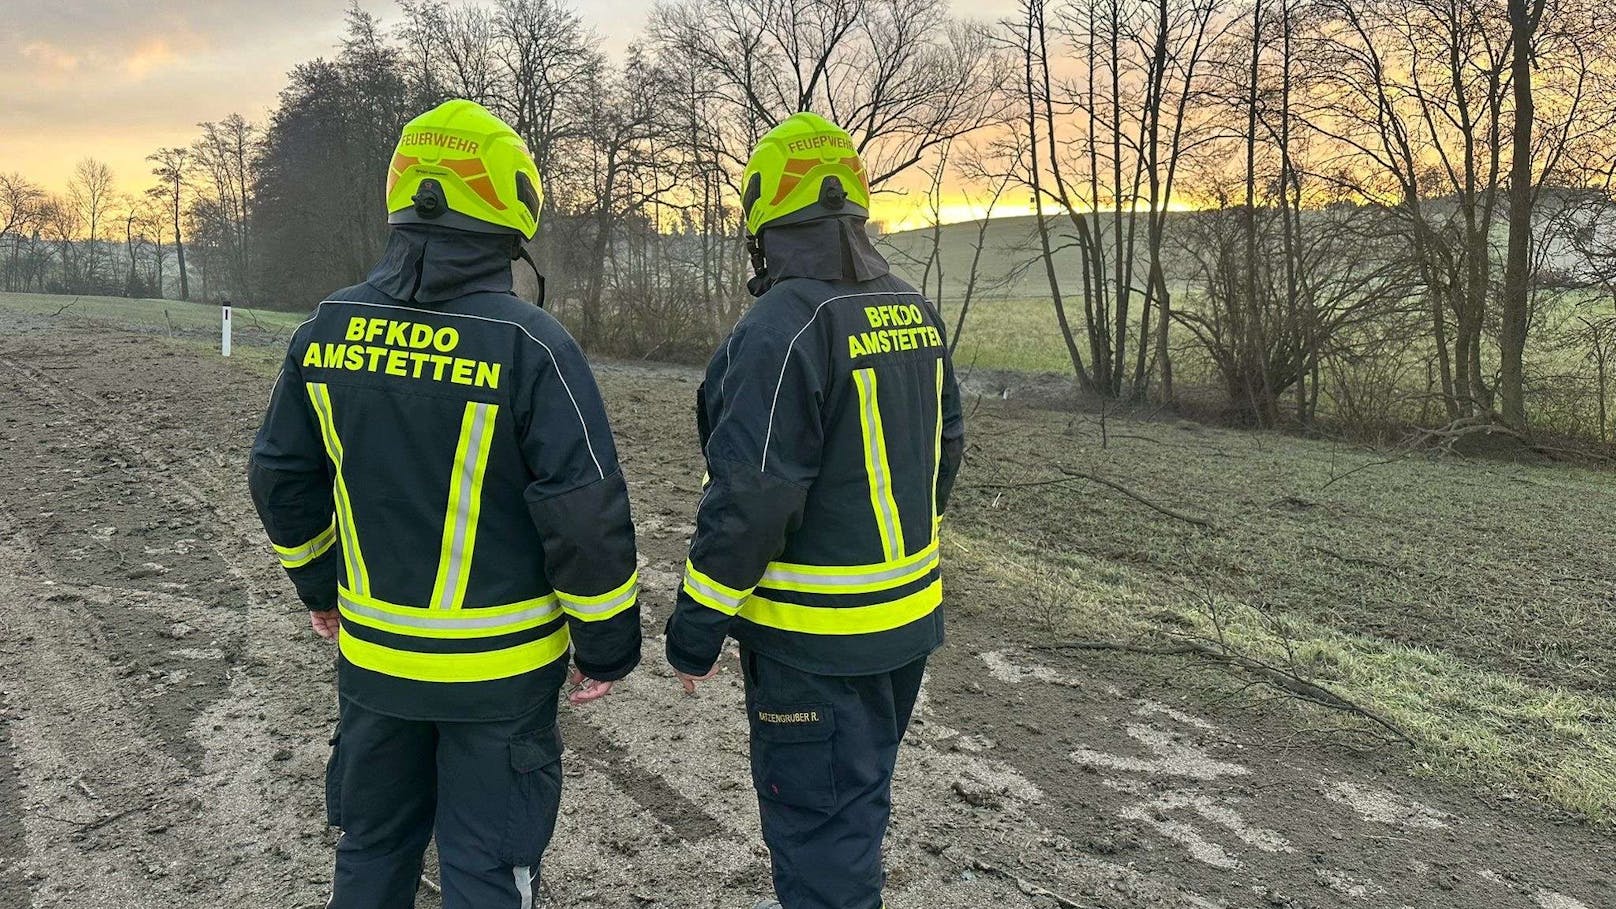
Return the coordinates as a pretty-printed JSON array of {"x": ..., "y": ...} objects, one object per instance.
[{"x": 224, "y": 331}]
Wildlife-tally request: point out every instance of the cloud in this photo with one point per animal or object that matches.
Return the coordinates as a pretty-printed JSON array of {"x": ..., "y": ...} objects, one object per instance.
[
  {"x": 114, "y": 80},
  {"x": 42, "y": 55},
  {"x": 152, "y": 54}
]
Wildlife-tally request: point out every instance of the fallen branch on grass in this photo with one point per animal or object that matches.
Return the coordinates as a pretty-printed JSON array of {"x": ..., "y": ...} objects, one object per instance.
[
  {"x": 1071, "y": 475},
  {"x": 1445, "y": 439},
  {"x": 65, "y": 308},
  {"x": 1360, "y": 469},
  {"x": 1163, "y": 509},
  {"x": 1287, "y": 680}
]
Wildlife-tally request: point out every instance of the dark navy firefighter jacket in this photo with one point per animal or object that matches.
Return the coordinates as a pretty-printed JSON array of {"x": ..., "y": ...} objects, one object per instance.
[
  {"x": 831, "y": 425},
  {"x": 436, "y": 463}
]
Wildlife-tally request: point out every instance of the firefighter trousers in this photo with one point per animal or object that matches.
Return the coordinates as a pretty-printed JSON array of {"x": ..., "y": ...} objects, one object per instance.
[
  {"x": 823, "y": 753},
  {"x": 489, "y": 791}
]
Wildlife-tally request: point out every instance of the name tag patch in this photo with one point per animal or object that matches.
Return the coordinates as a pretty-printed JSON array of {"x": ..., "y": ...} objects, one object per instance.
[{"x": 793, "y": 718}]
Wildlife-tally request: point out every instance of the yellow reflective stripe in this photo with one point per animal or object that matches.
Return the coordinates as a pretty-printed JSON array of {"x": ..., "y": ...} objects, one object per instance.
[
  {"x": 876, "y": 465},
  {"x": 844, "y": 620},
  {"x": 456, "y": 667},
  {"x": 465, "y": 505},
  {"x": 423, "y": 622},
  {"x": 602, "y": 607},
  {"x": 358, "y": 577},
  {"x": 937, "y": 454},
  {"x": 710, "y": 593},
  {"x": 298, "y": 556},
  {"x": 851, "y": 579}
]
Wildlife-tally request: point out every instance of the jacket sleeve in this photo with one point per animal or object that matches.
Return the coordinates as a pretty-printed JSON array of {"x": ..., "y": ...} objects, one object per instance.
[
  {"x": 953, "y": 453},
  {"x": 764, "y": 434},
  {"x": 579, "y": 504},
  {"x": 290, "y": 480}
]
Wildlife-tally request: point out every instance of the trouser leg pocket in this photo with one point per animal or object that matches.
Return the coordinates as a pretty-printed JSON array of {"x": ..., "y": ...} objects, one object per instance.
[
  {"x": 535, "y": 766},
  {"x": 792, "y": 759}
]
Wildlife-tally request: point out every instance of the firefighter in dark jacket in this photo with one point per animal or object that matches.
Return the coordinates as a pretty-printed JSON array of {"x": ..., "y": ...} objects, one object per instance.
[
  {"x": 438, "y": 477},
  {"x": 831, "y": 426}
]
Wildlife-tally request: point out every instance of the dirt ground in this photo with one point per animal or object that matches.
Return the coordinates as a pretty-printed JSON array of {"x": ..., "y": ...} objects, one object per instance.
[{"x": 164, "y": 710}]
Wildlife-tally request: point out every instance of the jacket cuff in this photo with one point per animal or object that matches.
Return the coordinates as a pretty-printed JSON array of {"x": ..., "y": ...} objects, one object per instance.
[
  {"x": 607, "y": 674},
  {"x": 688, "y": 659},
  {"x": 319, "y": 602}
]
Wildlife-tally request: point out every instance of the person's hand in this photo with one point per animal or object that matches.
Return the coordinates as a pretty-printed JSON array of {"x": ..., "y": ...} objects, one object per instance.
[
  {"x": 325, "y": 624},
  {"x": 689, "y": 681},
  {"x": 585, "y": 690}
]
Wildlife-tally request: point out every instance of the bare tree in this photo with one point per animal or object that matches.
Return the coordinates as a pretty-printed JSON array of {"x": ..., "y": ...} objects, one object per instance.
[
  {"x": 171, "y": 170},
  {"x": 223, "y": 158},
  {"x": 1414, "y": 91},
  {"x": 62, "y": 224},
  {"x": 1031, "y": 37},
  {"x": 1524, "y": 18},
  {"x": 899, "y": 75},
  {"x": 91, "y": 192},
  {"x": 548, "y": 60},
  {"x": 21, "y": 211},
  {"x": 451, "y": 51},
  {"x": 630, "y": 127},
  {"x": 1111, "y": 136}
]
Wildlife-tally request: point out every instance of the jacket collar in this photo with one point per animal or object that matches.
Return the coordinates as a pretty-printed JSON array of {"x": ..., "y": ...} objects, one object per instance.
[
  {"x": 826, "y": 249},
  {"x": 431, "y": 264}
]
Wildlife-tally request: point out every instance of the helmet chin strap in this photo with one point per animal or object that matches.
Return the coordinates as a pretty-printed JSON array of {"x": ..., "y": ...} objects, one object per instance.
[
  {"x": 522, "y": 253},
  {"x": 759, "y": 282}
]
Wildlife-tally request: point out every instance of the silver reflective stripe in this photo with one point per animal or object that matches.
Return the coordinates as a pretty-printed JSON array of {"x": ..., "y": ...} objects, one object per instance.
[
  {"x": 880, "y": 483},
  {"x": 607, "y": 606},
  {"x": 469, "y": 466},
  {"x": 297, "y": 555},
  {"x": 854, "y": 580},
  {"x": 698, "y": 586},
  {"x": 462, "y": 618},
  {"x": 524, "y": 886}
]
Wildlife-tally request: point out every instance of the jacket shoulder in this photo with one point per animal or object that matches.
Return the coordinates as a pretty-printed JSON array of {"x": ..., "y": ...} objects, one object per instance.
[
  {"x": 787, "y": 307},
  {"x": 537, "y": 324},
  {"x": 790, "y": 305}
]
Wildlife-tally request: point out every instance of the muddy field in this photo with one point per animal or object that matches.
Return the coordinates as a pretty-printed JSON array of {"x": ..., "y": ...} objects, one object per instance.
[{"x": 164, "y": 709}]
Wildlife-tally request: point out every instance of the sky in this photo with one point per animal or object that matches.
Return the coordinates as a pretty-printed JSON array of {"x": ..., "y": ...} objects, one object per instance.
[{"x": 116, "y": 79}]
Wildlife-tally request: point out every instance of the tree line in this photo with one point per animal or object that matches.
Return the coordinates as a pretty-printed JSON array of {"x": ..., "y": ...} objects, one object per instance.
[{"x": 1371, "y": 212}]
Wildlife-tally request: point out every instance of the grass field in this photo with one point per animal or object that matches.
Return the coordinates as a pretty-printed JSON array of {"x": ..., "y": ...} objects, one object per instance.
[
  {"x": 1468, "y": 602},
  {"x": 1019, "y": 335},
  {"x": 257, "y": 333},
  {"x": 154, "y": 315}
]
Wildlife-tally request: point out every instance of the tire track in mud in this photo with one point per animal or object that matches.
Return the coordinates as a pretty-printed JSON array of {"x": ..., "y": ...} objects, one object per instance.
[
  {"x": 92, "y": 773},
  {"x": 212, "y": 842},
  {"x": 668, "y": 806}
]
